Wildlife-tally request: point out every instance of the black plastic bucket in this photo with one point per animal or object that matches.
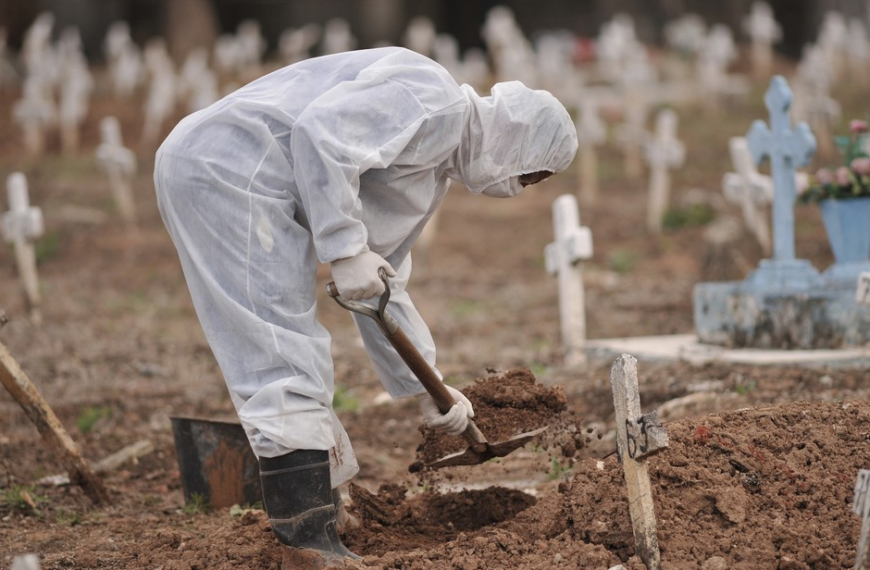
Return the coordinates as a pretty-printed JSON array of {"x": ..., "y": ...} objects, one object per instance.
[{"x": 217, "y": 465}]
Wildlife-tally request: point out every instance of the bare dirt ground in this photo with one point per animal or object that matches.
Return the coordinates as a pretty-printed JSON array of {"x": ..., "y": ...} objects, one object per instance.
[{"x": 759, "y": 473}]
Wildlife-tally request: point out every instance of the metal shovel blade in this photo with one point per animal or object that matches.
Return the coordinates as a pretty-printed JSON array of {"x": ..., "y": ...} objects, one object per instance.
[{"x": 499, "y": 449}]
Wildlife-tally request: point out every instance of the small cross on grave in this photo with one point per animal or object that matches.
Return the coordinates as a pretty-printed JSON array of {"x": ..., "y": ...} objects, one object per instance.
[
  {"x": 861, "y": 507},
  {"x": 637, "y": 437},
  {"x": 591, "y": 132},
  {"x": 35, "y": 112},
  {"x": 663, "y": 152},
  {"x": 119, "y": 164},
  {"x": 159, "y": 104},
  {"x": 787, "y": 150},
  {"x": 74, "y": 104},
  {"x": 751, "y": 190},
  {"x": 295, "y": 44},
  {"x": 573, "y": 244},
  {"x": 22, "y": 224},
  {"x": 862, "y": 295},
  {"x": 763, "y": 31},
  {"x": 632, "y": 134}
]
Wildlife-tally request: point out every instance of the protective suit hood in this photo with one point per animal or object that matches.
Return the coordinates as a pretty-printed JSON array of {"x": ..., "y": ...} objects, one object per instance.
[{"x": 514, "y": 131}]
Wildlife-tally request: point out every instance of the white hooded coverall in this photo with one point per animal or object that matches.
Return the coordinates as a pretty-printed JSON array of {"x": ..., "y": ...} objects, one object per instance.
[{"x": 320, "y": 161}]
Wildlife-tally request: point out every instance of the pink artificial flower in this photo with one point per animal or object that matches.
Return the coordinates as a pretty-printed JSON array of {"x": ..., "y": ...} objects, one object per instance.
[
  {"x": 825, "y": 176},
  {"x": 843, "y": 176},
  {"x": 857, "y": 126},
  {"x": 861, "y": 165},
  {"x": 802, "y": 182}
]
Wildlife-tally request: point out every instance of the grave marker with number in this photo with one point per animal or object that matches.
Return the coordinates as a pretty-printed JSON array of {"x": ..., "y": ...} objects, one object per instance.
[
  {"x": 861, "y": 507},
  {"x": 637, "y": 437}
]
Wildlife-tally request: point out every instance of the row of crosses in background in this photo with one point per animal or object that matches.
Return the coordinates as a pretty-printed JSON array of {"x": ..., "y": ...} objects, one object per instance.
[{"x": 22, "y": 225}]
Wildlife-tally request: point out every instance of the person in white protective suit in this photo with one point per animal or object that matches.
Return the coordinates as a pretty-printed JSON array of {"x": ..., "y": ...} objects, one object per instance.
[{"x": 339, "y": 160}]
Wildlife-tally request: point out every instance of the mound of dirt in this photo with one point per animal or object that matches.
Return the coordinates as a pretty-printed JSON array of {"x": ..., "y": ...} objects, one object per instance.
[
  {"x": 756, "y": 488},
  {"x": 504, "y": 405}
]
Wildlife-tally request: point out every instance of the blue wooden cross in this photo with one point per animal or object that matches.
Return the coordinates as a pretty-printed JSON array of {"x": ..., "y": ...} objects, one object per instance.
[{"x": 787, "y": 150}]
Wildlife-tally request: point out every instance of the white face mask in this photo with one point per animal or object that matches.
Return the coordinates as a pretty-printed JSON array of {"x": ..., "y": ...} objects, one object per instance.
[{"x": 507, "y": 188}]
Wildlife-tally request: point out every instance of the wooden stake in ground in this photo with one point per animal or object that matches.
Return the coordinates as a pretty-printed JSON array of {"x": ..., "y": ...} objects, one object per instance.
[
  {"x": 637, "y": 437},
  {"x": 59, "y": 442},
  {"x": 751, "y": 190},
  {"x": 591, "y": 132},
  {"x": 663, "y": 153},
  {"x": 573, "y": 244},
  {"x": 861, "y": 507},
  {"x": 119, "y": 164},
  {"x": 21, "y": 225}
]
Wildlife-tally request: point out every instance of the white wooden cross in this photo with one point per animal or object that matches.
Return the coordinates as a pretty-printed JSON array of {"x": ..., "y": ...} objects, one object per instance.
[
  {"x": 591, "y": 132},
  {"x": 686, "y": 34},
  {"x": 159, "y": 104},
  {"x": 832, "y": 38},
  {"x": 637, "y": 437},
  {"x": 337, "y": 37},
  {"x": 716, "y": 54},
  {"x": 295, "y": 44},
  {"x": 632, "y": 134},
  {"x": 251, "y": 47},
  {"x": 119, "y": 164},
  {"x": 35, "y": 112},
  {"x": 128, "y": 71},
  {"x": 862, "y": 295},
  {"x": 73, "y": 109},
  {"x": 787, "y": 149},
  {"x": 750, "y": 189},
  {"x": 573, "y": 243},
  {"x": 22, "y": 224},
  {"x": 420, "y": 35},
  {"x": 861, "y": 507},
  {"x": 663, "y": 152},
  {"x": 763, "y": 31}
]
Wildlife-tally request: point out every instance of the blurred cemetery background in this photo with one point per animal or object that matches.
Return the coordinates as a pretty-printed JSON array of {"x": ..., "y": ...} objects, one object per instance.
[
  {"x": 668, "y": 182},
  {"x": 663, "y": 92}
]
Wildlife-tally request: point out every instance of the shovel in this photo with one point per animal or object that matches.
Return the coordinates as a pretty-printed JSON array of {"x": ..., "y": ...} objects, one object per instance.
[{"x": 479, "y": 450}]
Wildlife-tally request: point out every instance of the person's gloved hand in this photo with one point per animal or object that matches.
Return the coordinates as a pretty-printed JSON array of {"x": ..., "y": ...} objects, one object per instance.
[
  {"x": 357, "y": 277},
  {"x": 454, "y": 421}
]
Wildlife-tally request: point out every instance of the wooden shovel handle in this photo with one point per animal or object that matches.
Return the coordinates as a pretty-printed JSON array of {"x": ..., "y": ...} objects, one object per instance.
[
  {"x": 436, "y": 388},
  {"x": 412, "y": 357}
]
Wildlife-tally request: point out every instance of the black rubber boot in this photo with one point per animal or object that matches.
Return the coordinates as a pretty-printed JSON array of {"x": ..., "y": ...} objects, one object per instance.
[{"x": 299, "y": 501}]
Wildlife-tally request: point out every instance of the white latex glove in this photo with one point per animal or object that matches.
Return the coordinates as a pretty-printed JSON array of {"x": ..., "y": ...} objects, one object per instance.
[
  {"x": 357, "y": 277},
  {"x": 454, "y": 421}
]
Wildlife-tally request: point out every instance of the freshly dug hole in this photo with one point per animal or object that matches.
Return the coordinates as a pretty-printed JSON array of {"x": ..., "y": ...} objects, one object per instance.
[
  {"x": 389, "y": 521},
  {"x": 504, "y": 405}
]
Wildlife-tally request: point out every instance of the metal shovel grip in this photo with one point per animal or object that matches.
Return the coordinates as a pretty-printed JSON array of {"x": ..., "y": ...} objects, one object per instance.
[{"x": 409, "y": 353}]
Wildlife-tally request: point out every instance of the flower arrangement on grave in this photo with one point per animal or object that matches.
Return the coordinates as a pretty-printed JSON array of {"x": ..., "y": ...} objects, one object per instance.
[
  {"x": 851, "y": 180},
  {"x": 843, "y": 197}
]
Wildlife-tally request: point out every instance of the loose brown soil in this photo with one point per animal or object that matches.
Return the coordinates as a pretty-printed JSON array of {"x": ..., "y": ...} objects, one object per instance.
[
  {"x": 760, "y": 469},
  {"x": 505, "y": 406}
]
